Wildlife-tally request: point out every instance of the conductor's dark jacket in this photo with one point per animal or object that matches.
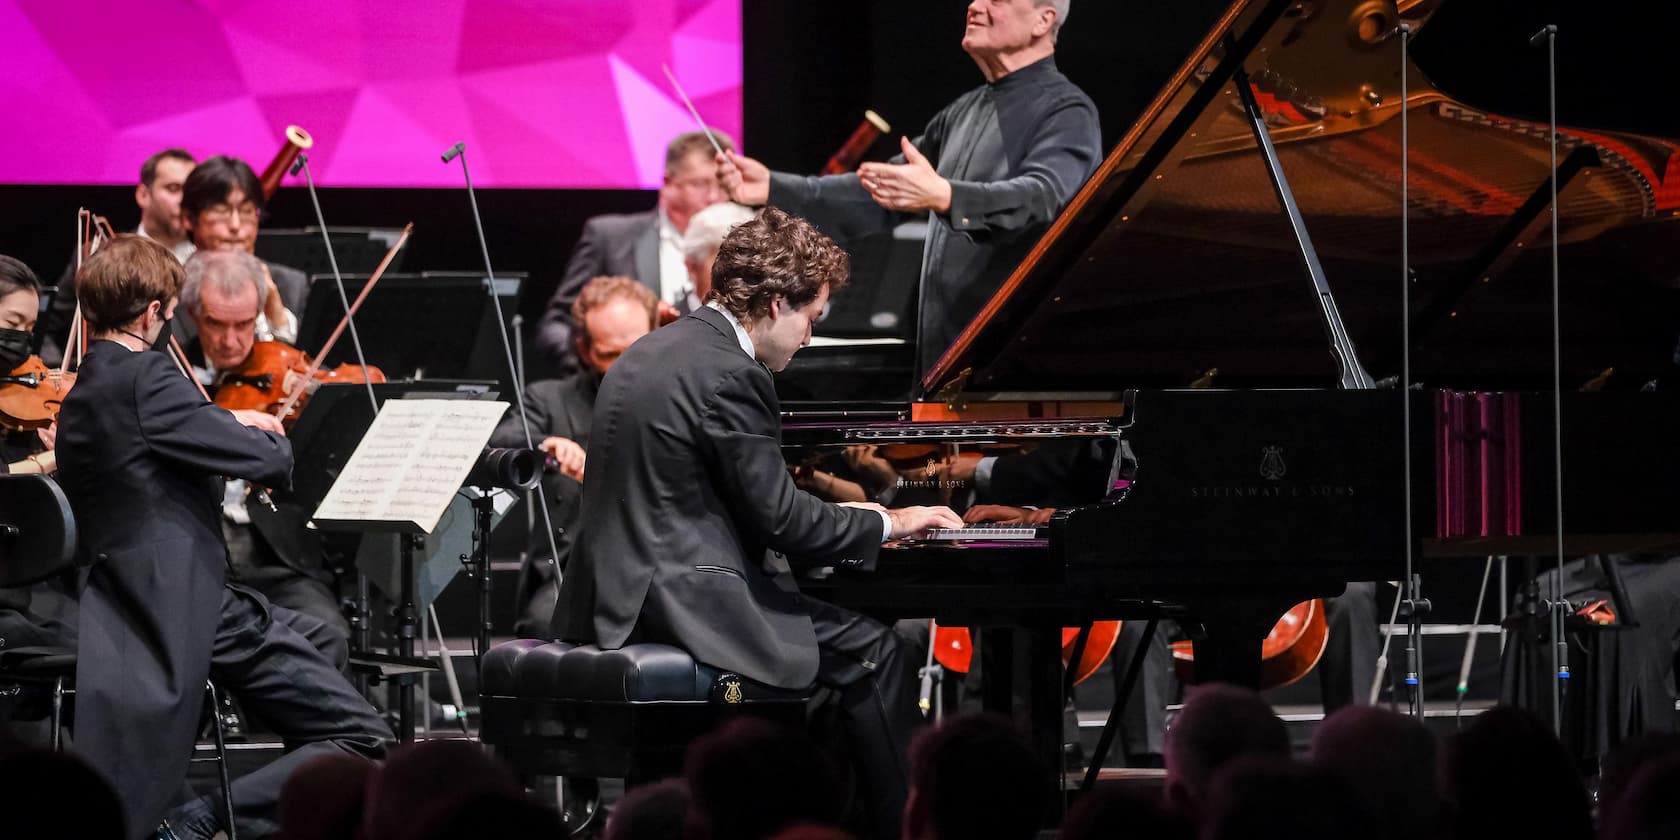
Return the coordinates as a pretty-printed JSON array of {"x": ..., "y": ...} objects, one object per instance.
[
  {"x": 686, "y": 492},
  {"x": 141, "y": 458}
]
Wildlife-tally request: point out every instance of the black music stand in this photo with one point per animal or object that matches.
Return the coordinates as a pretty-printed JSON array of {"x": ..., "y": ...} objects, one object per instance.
[
  {"x": 323, "y": 439},
  {"x": 881, "y": 302},
  {"x": 429, "y": 325},
  {"x": 337, "y": 416},
  {"x": 359, "y": 250}
]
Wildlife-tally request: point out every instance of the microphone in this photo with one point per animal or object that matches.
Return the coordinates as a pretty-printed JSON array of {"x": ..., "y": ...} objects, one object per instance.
[
  {"x": 459, "y": 150},
  {"x": 298, "y": 164}
]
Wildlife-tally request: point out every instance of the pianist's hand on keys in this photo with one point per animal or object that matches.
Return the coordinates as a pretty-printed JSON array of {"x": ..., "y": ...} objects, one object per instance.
[
  {"x": 1006, "y": 515},
  {"x": 910, "y": 521}
]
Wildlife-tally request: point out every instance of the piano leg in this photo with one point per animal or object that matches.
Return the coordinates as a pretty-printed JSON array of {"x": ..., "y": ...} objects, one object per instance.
[
  {"x": 1229, "y": 647},
  {"x": 1021, "y": 677}
]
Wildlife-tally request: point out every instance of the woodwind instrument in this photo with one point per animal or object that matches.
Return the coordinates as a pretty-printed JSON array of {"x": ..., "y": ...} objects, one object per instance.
[
  {"x": 296, "y": 141},
  {"x": 857, "y": 145}
]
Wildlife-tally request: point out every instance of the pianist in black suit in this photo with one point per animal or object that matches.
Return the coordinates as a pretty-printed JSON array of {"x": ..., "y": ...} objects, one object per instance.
[
  {"x": 688, "y": 508},
  {"x": 141, "y": 460}
]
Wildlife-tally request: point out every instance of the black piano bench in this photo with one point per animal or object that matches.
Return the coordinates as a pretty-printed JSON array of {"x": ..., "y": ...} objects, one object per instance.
[{"x": 577, "y": 711}]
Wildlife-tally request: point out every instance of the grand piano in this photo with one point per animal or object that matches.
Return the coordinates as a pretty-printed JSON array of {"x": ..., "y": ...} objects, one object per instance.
[{"x": 1224, "y": 297}]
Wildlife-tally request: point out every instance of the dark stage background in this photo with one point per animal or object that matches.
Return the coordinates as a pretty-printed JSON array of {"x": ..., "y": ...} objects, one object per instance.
[{"x": 811, "y": 69}]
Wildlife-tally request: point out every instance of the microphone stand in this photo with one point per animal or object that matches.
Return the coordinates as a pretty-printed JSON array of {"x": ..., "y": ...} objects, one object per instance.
[
  {"x": 362, "y": 619},
  {"x": 302, "y": 163},
  {"x": 1558, "y": 608},
  {"x": 459, "y": 150}
]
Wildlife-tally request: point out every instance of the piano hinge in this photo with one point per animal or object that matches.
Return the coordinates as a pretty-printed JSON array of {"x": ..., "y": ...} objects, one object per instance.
[{"x": 951, "y": 394}]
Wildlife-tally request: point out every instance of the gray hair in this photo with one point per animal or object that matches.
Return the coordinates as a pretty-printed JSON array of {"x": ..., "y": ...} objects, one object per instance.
[
  {"x": 708, "y": 227},
  {"x": 1061, "y": 7},
  {"x": 227, "y": 271}
]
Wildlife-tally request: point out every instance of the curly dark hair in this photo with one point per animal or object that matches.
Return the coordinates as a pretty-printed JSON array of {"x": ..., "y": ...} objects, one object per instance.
[{"x": 775, "y": 256}]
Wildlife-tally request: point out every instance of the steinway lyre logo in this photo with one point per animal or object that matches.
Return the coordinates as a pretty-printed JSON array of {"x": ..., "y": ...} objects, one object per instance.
[
  {"x": 732, "y": 691},
  {"x": 1272, "y": 466}
]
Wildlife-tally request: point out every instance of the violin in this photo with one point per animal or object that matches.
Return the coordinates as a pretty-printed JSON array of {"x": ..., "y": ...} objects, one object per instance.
[
  {"x": 31, "y": 394},
  {"x": 276, "y": 372}
]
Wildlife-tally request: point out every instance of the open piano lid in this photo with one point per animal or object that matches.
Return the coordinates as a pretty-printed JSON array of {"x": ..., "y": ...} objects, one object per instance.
[{"x": 1175, "y": 259}]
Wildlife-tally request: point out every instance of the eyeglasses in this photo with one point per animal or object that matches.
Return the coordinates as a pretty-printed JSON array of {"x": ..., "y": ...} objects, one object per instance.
[{"x": 222, "y": 212}]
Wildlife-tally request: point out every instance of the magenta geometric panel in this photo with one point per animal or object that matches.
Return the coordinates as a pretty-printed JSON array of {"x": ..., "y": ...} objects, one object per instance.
[{"x": 546, "y": 93}]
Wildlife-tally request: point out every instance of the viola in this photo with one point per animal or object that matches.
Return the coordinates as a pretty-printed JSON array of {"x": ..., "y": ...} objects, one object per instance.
[
  {"x": 31, "y": 394},
  {"x": 275, "y": 373},
  {"x": 1289, "y": 653}
]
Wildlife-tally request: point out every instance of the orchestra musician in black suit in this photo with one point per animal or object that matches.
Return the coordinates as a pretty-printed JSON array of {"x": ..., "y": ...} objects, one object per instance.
[
  {"x": 612, "y": 313},
  {"x": 647, "y": 246},
  {"x": 690, "y": 517},
  {"x": 142, "y": 456}
]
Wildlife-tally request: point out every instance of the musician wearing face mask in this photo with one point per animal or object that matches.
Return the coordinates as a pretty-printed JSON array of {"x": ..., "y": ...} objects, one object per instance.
[
  {"x": 42, "y": 615},
  {"x": 612, "y": 313},
  {"x": 271, "y": 550},
  {"x": 144, "y": 457}
]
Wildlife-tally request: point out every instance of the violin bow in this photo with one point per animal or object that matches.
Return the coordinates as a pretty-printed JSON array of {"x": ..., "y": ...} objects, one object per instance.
[{"x": 315, "y": 365}]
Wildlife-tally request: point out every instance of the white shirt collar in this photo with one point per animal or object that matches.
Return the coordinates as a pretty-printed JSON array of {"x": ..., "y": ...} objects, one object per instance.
[
  {"x": 740, "y": 331},
  {"x": 182, "y": 250}
]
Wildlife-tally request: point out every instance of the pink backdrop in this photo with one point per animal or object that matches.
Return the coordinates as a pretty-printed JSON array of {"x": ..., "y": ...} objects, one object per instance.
[{"x": 546, "y": 93}]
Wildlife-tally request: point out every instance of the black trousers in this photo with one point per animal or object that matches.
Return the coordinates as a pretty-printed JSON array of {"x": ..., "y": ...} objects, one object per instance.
[
  {"x": 271, "y": 660},
  {"x": 1624, "y": 679},
  {"x": 868, "y": 664},
  {"x": 1143, "y": 722},
  {"x": 1351, "y": 648}
]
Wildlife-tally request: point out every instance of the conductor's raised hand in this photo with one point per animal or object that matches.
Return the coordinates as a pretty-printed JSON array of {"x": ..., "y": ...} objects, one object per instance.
[
  {"x": 259, "y": 420},
  {"x": 746, "y": 180},
  {"x": 909, "y": 521},
  {"x": 911, "y": 185}
]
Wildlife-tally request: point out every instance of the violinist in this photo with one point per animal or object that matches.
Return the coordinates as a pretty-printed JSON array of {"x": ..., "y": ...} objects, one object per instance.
[
  {"x": 142, "y": 466},
  {"x": 41, "y": 615},
  {"x": 613, "y": 312},
  {"x": 271, "y": 550},
  {"x": 20, "y": 298}
]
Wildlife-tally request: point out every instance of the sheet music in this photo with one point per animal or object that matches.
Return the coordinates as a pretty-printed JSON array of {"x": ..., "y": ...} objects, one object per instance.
[{"x": 410, "y": 463}]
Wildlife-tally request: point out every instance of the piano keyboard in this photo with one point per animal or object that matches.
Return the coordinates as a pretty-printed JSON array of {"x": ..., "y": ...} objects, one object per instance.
[{"x": 981, "y": 532}]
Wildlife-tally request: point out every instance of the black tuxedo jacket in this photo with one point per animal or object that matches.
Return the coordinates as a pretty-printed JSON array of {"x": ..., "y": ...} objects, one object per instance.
[
  {"x": 622, "y": 244},
  {"x": 141, "y": 456},
  {"x": 685, "y": 495}
]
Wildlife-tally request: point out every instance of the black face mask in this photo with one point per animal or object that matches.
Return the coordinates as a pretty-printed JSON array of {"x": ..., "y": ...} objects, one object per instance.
[
  {"x": 14, "y": 349},
  {"x": 162, "y": 343}
]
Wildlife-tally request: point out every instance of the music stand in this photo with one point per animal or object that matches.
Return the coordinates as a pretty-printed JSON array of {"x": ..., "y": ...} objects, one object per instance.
[
  {"x": 881, "y": 302},
  {"x": 359, "y": 250},
  {"x": 337, "y": 416},
  {"x": 428, "y": 325}
]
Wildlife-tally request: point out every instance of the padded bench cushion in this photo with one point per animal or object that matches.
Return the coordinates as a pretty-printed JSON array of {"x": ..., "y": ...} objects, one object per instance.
[{"x": 641, "y": 673}]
